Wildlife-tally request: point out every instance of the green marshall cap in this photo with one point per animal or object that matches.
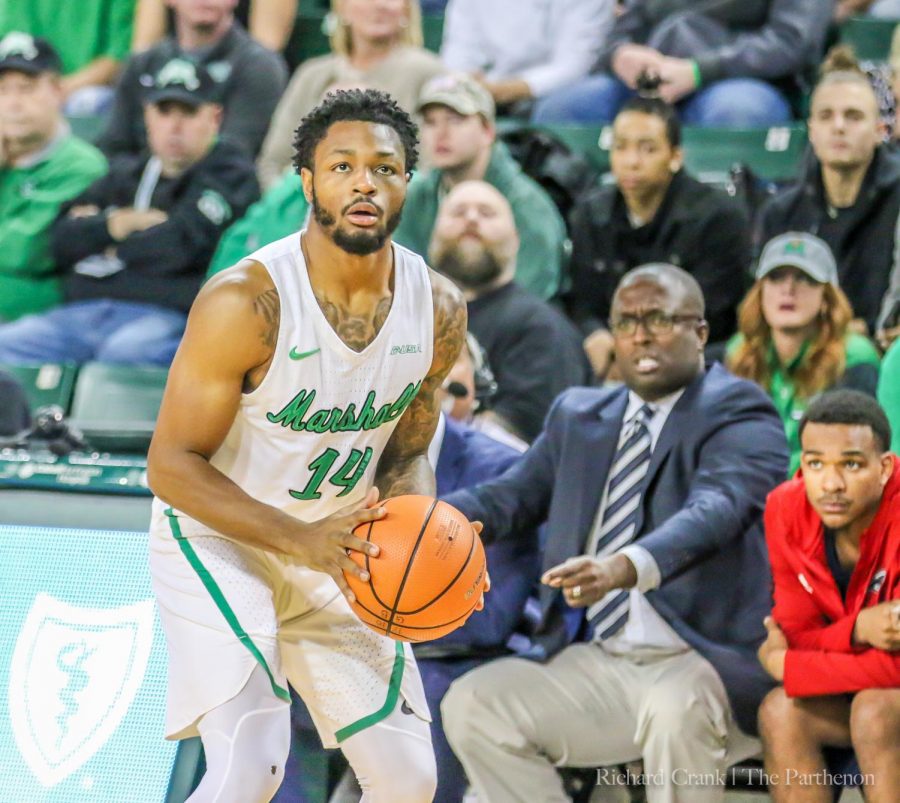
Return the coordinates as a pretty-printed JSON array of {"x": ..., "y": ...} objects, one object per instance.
[
  {"x": 798, "y": 249},
  {"x": 183, "y": 81}
]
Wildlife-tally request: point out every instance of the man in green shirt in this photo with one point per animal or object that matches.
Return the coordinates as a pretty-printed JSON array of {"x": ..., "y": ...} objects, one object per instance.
[
  {"x": 92, "y": 38},
  {"x": 280, "y": 212},
  {"x": 458, "y": 141},
  {"x": 41, "y": 166}
]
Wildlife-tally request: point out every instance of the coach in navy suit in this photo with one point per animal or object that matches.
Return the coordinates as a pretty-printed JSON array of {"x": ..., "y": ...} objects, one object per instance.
[
  {"x": 466, "y": 458},
  {"x": 654, "y": 566}
]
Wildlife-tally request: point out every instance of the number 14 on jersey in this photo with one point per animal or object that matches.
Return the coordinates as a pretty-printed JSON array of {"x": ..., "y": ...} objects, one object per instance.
[{"x": 345, "y": 476}]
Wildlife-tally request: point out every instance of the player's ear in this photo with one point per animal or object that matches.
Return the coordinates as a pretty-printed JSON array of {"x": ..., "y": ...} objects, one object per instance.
[{"x": 306, "y": 178}]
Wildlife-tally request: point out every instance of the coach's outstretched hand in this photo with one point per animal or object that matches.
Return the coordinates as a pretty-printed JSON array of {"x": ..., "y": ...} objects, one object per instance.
[
  {"x": 324, "y": 544},
  {"x": 585, "y": 580}
]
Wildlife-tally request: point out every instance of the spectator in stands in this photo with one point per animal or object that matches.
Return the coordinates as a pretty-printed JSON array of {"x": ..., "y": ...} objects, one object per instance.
[
  {"x": 850, "y": 193},
  {"x": 834, "y": 635},
  {"x": 269, "y": 22},
  {"x": 675, "y": 507},
  {"x": 534, "y": 351},
  {"x": 376, "y": 44},
  {"x": 137, "y": 242},
  {"x": 458, "y": 140},
  {"x": 282, "y": 209},
  {"x": 41, "y": 167},
  {"x": 249, "y": 78},
  {"x": 538, "y": 47},
  {"x": 889, "y": 391},
  {"x": 793, "y": 337},
  {"x": 469, "y": 391},
  {"x": 654, "y": 212},
  {"x": 728, "y": 64},
  {"x": 91, "y": 37}
]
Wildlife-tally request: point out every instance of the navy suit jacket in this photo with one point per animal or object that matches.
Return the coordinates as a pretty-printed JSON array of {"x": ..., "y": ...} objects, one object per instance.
[
  {"x": 468, "y": 457},
  {"x": 721, "y": 451}
]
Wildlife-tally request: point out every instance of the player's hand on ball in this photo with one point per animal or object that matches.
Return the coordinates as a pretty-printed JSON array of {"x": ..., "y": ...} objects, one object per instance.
[
  {"x": 478, "y": 527},
  {"x": 324, "y": 546}
]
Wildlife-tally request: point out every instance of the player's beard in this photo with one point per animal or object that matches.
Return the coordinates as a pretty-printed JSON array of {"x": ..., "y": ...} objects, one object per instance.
[
  {"x": 471, "y": 269},
  {"x": 360, "y": 243}
]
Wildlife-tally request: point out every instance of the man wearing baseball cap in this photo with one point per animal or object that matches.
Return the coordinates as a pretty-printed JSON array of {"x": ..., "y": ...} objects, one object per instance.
[
  {"x": 136, "y": 243},
  {"x": 42, "y": 165},
  {"x": 250, "y": 77},
  {"x": 459, "y": 142},
  {"x": 793, "y": 332}
]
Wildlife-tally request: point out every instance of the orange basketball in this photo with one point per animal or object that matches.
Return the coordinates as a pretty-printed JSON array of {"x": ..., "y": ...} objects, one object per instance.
[{"x": 429, "y": 575}]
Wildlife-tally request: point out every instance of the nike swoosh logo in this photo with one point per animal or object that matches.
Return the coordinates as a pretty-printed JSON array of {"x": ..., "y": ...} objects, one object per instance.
[{"x": 302, "y": 355}]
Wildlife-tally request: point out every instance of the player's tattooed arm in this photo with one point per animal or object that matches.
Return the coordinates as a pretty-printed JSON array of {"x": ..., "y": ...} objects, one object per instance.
[
  {"x": 404, "y": 468},
  {"x": 267, "y": 308}
]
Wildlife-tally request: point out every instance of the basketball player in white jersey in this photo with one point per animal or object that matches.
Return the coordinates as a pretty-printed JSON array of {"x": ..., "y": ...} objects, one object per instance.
[{"x": 307, "y": 378}]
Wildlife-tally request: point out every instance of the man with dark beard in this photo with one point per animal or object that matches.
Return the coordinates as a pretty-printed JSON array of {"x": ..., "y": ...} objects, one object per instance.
[
  {"x": 534, "y": 350},
  {"x": 307, "y": 382}
]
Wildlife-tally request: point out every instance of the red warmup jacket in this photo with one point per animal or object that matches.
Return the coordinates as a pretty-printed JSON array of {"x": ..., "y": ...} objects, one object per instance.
[{"x": 818, "y": 624}]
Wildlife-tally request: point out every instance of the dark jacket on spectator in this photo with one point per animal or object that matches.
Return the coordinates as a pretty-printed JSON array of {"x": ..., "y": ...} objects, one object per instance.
[
  {"x": 533, "y": 350},
  {"x": 697, "y": 227},
  {"x": 250, "y": 78},
  {"x": 164, "y": 264},
  {"x": 766, "y": 39},
  {"x": 863, "y": 237}
]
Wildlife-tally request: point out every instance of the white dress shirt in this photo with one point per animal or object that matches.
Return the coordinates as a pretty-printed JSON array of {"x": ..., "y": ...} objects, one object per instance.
[
  {"x": 645, "y": 632},
  {"x": 547, "y": 43}
]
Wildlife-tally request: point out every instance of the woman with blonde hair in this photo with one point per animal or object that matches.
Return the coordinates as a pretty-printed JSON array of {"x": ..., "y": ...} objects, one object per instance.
[
  {"x": 793, "y": 336},
  {"x": 376, "y": 44}
]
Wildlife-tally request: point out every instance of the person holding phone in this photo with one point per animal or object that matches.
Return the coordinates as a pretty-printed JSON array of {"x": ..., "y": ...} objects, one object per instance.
[{"x": 833, "y": 642}]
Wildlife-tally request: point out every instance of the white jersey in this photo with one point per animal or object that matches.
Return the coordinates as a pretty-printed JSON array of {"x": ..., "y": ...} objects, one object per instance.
[{"x": 308, "y": 439}]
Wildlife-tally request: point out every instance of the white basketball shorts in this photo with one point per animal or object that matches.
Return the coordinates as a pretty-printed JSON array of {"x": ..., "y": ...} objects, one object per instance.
[{"x": 226, "y": 607}]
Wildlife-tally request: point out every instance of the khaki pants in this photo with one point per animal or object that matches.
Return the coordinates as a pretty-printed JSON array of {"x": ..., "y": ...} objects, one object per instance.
[{"x": 511, "y": 722}]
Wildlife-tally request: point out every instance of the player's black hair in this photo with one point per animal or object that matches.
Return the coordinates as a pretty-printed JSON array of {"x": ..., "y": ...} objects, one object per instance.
[
  {"x": 849, "y": 407},
  {"x": 648, "y": 101},
  {"x": 364, "y": 105}
]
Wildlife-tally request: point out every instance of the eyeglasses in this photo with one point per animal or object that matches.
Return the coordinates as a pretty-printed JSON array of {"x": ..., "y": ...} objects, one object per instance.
[{"x": 655, "y": 322}]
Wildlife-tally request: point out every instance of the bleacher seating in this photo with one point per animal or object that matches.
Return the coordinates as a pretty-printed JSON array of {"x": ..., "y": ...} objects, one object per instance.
[
  {"x": 50, "y": 383},
  {"x": 870, "y": 38},
  {"x": 115, "y": 406},
  {"x": 87, "y": 127},
  {"x": 773, "y": 154}
]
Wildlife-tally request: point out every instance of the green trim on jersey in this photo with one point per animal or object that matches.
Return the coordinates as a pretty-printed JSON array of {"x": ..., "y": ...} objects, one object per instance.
[
  {"x": 389, "y": 704},
  {"x": 222, "y": 604}
]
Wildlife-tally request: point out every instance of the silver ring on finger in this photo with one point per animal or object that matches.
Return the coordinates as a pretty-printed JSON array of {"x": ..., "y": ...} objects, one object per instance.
[{"x": 576, "y": 592}]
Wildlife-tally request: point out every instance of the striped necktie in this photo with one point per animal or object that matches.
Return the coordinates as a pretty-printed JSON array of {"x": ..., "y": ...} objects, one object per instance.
[{"x": 623, "y": 498}]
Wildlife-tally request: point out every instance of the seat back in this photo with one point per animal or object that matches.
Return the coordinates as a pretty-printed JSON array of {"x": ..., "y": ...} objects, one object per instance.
[
  {"x": 869, "y": 37},
  {"x": 115, "y": 406},
  {"x": 47, "y": 383},
  {"x": 774, "y": 154}
]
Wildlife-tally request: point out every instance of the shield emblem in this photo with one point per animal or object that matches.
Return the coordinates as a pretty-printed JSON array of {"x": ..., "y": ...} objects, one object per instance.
[{"x": 74, "y": 674}]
